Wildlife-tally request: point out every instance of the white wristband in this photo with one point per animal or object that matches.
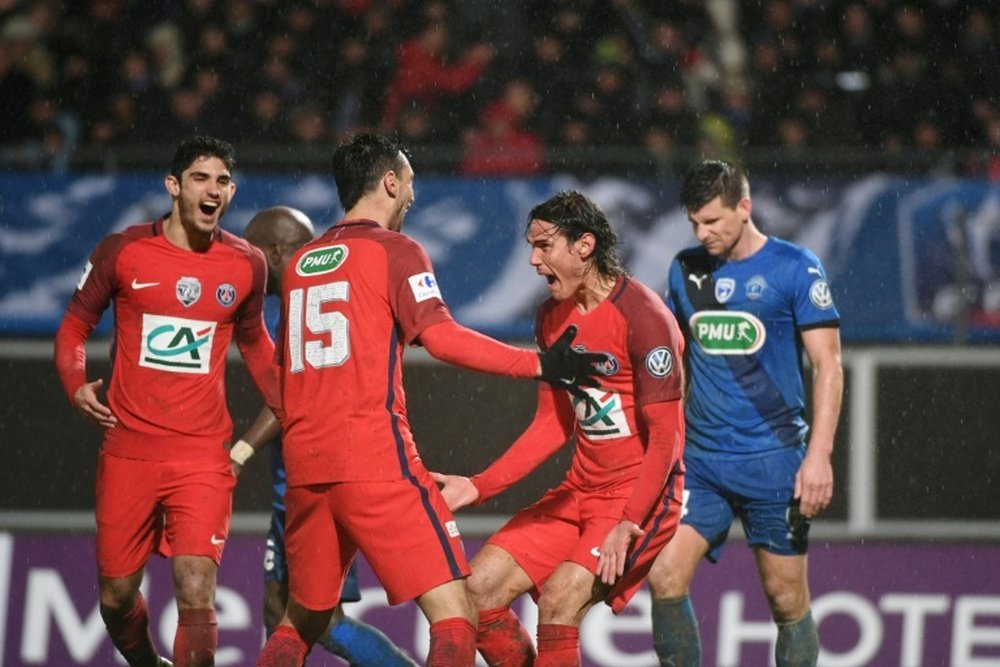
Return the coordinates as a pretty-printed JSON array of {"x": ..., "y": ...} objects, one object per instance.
[{"x": 241, "y": 452}]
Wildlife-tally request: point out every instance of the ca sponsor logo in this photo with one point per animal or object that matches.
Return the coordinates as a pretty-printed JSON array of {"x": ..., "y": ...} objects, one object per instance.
[
  {"x": 599, "y": 414},
  {"x": 728, "y": 331},
  {"x": 321, "y": 260},
  {"x": 452, "y": 529},
  {"x": 176, "y": 345}
]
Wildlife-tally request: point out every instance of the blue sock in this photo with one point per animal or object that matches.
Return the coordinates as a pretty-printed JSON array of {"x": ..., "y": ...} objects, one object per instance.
[
  {"x": 360, "y": 644},
  {"x": 675, "y": 633},
  {"x": 798, "y": 643}
]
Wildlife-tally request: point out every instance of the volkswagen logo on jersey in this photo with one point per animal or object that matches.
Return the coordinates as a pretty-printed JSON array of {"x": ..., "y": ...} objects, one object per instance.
[
  {"x": 820, "y": 295},
  {"x": 225, "y": 295},
  {"x": 724, "y": 289},
  {"x": 660, "y": 362},
  {"x": 188, "y": 290}
]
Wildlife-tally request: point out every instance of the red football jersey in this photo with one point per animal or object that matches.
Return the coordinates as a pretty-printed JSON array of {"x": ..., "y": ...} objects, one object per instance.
[
  {"x": 176, "y": 312},
  {"x": 352, "y": 299},
  {"x": 646, "y": 348}
]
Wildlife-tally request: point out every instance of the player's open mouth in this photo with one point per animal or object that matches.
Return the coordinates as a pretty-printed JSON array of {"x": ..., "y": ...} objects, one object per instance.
[
  {"x": 209, "y": 207},
  {"x": 551, "y": 280}
]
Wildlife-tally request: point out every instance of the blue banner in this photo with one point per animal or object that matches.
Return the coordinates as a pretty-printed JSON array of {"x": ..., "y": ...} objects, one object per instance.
[{"x": 908, "y": 260}]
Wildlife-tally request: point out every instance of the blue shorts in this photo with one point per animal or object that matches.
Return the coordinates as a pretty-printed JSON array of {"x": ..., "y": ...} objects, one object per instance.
[
  {"x": 757, "y": 490},
  {"x": 276, "y": 567}
]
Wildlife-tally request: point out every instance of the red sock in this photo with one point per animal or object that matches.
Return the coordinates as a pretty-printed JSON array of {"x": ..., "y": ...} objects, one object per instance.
[
  {"x": 284, "y": 648},
  {"x": 503, "y": 641},
  {"x": 196, "y": 639},
  {"x": 453, "y": 643},
  {"x": 129, "y": 633},
  {"x": 558, "y": 645}
]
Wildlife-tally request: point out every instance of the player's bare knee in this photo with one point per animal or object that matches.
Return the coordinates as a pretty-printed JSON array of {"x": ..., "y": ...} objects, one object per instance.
[
  {"x": 788, "y": 603},
  {"x": 117, "y": 595},
  {"x": 668, "y": 580}
]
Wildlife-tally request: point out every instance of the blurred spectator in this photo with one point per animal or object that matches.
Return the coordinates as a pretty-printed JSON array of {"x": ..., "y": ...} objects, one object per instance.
[
  {"x": 167, "y": 54},
  {"x": 308, "y": 124},
  {"x": 423, "y": 72},
  {"x": 15, "y": 84},
  {"x": 263, "y": 118},
  {"x": 501, "y": 145},
  {"x": 671, "y": 115},
  {"x": 415, "y": 127},
  {"x": 547, "y": 70}
]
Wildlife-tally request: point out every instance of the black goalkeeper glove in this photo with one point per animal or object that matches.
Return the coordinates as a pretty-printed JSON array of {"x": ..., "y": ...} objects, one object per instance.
[{"x": 566, "y": 368}]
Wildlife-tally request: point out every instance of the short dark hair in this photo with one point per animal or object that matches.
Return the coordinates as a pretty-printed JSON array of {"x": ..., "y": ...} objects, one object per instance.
[
  {"x": 574, "y": 214},
  {"x": 199, "y": 146},
  {"x": 360, "y": 163},
  {"x": 711, "y": 179}
]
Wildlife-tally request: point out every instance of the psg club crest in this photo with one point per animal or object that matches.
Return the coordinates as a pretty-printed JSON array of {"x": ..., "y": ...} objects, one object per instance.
[
  {"x": 225, "y": 294},
  {"x": 188, "y": 290},
  {"x": 724, "y": 288}
]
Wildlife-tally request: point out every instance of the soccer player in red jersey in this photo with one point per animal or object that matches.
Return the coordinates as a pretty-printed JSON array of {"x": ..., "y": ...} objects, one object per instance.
[
  {"x": 351, "y": 301},
  {"x": 595, "y": 536},
  {"x": 182, "y": 289}
]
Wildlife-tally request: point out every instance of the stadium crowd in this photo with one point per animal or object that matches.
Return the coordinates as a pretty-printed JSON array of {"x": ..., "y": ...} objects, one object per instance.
[{"x": 504, "y": 81}]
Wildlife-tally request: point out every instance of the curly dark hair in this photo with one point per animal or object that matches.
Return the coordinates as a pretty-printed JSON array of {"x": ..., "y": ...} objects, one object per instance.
[
  {"x": 359, "y": 163},
  {"x": 200, "y": 146},
  {"x": 711, "y": 179},
  {"x": 574, "y": 215}
]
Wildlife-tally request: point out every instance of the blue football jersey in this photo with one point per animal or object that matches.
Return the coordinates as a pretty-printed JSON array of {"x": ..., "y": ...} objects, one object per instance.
[
  {"x": 742, "y": 320},
  {"x": 272, "y": 313}
]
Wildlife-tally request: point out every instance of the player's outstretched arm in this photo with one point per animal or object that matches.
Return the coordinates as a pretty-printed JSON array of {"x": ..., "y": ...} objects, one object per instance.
[{"x": 560, "y": 365}]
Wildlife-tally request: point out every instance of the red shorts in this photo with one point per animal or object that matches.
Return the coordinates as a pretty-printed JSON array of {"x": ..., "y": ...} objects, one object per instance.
[
  {"x": 568, "y": 524},
  {"x": 404, "y": 528},
  {"x": 165, "y": 507}
]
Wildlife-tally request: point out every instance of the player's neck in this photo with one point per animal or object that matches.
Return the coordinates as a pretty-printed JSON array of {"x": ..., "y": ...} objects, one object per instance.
[
  {"x": 184, "y": 238},
  {"x": 750, "y": 242},
  {"x": 593, "y": 291}
]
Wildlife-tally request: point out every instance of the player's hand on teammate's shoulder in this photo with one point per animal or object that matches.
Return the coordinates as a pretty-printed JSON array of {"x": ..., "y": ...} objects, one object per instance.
[
  {"x": 565, "y": 367},
  {"x": 90, "y": 405},
  {"x": 458, "y": 491}
]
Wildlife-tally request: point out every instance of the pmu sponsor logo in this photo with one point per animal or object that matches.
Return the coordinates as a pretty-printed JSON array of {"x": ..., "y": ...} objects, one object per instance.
[
  {"x": 321, "y": 260},
  {"x": 728, "y": 331},
  {"x": 176, "y": 345}
]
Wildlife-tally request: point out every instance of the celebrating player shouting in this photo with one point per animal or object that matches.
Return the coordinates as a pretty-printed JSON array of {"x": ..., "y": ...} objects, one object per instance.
[
  {"x": 182, "y": 289},
  {"x": 351, "y": 301}
]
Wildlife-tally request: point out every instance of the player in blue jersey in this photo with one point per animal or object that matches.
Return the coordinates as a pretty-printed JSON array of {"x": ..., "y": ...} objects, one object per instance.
[
  {"x": 279, "y": 232},
  {"x": 749, "y": 304}
]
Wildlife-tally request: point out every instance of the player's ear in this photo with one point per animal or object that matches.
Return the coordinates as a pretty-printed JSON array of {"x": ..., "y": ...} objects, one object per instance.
[
  {"x": 390, "y": 183},
  {"x": 585, "y": 246},
  {"x": 173, "y": 187},
  {"x": 745, "y": 208}
]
